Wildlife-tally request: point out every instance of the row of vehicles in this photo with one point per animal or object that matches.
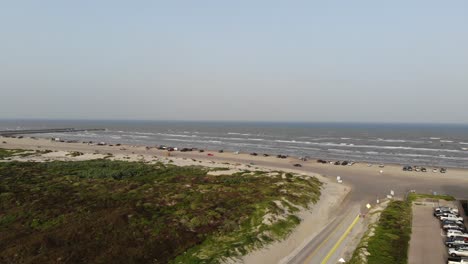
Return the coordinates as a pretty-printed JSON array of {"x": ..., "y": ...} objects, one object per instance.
[
  {"x": 423, "y": 169},
  {"x": 457, "y": 236}
]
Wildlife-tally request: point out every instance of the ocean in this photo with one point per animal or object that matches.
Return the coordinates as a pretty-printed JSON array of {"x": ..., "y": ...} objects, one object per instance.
[{"x": 409, "y": 144}]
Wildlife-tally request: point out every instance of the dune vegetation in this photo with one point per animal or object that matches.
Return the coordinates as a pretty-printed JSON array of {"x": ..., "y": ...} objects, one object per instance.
[{"x": 104, "y": 211}]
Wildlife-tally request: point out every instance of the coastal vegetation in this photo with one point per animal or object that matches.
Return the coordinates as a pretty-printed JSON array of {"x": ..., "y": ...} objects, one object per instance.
[
  {"x": 6, "y": 154},
  {"x": 387, "y": 241},
  {"x": 129, "y": 212}
]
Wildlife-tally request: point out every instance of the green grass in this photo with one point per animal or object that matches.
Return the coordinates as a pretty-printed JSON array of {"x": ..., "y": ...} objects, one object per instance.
[
  {"x": 9, "y": 153},
  {"x": 390, "y": 241},
  {"x": 415, "y": 196},
  {"x": 104, "y": 211}
]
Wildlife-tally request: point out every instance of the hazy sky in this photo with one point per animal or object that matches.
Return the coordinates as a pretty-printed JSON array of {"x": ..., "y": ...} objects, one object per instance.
[{"x": 404, "y": 61}]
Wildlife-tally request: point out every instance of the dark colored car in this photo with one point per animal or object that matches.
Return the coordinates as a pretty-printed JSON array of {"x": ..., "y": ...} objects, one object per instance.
[
  {"x": 253, "y": 154},
  {"x": 297, "y": 165},
  {"x": 443, "y": 170}
]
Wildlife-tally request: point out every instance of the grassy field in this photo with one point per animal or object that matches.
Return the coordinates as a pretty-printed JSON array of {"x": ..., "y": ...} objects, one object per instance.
[
  {"x": 388, "y": 241},
  {"x": 105, "y": 211}
]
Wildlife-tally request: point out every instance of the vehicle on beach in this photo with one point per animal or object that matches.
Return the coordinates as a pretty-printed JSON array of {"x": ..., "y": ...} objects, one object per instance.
[
  {"x": 458, "y": 252},
  {"x": 443, "y": 170},
  {"x": 201, "y": 150},
  {"x": 381, "y": 165},
  {"x": 407, "y": 168},
  {"x": 423, "y": 169},
  {"x": 266, "y": 155},
  {"x": 220, "y": 151},
  {"x": 297, "y": 165},
  {"x": 435, "y": 170},
  {"x": 321, "y": 161},
  {"x": 253, "y": 154},
  {"x": 210, "y": 155},
  {"x": 344, "y": 163},
  {"x": 337, "y": 162}
]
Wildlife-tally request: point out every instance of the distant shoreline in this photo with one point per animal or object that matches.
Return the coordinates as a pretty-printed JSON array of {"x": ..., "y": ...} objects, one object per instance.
[{"x": 26, "y": 142}]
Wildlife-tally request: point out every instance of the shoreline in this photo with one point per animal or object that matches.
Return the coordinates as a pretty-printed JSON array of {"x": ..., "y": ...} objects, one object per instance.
[{"x": 216, "y": 154}]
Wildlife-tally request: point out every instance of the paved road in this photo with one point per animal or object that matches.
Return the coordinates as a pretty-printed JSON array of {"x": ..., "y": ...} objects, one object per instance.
[{"x": 328, "y": 244}]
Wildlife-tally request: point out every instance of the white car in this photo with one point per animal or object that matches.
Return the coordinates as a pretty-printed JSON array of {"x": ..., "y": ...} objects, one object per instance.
[
  {"x": 456, "y": 233},
  {"x": 460, "y": 252},
  {"x": 451, "y": 217},
  {"x": 445, "y": 208}
]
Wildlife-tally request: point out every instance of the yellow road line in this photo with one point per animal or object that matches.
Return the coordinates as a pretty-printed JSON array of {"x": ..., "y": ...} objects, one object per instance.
[
  {"x": 326, "y": 240},
  {"x": 325, "y": 260}
]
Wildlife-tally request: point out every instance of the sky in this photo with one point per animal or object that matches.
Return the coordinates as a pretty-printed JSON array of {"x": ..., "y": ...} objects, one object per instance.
[{"x": 332, "y": 61}]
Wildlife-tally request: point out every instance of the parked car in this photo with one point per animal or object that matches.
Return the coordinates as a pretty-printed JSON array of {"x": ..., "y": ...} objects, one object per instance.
[
  {"x": 445, "y": 208},
  {"x": 266, "y": 155},
  {"x": 448, "y": 222},
  {"x": 381, "y": 165},
  {"x": 344, "y": 163},
  {"x": 253, "y": 154},
  {"x": 210, "y": 155},
  {"x": 457, "y": 260},
  {"x": 423, "y": 169},
  {"x": 458, "y": 252},
  {"x": 456, "y": 242},
  {"x": 443, "y": 170},
  {"x": 451, "y": 217},
  {"x": 444, "y": 213},
  {"x": 453, "y": 227},
  {"x": 407, "y": 168},
  {"x": 220, "y": 151},
  {"x": 297, "y": 165},
  {"x": 456, "y": 233}
]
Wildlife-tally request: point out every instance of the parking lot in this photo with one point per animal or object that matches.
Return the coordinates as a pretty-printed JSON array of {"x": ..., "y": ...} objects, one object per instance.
[{"x": 427, "y": 239}]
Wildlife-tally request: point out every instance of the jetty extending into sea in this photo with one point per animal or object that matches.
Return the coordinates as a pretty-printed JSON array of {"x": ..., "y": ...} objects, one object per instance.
[{"x": 42, "y": 131}]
